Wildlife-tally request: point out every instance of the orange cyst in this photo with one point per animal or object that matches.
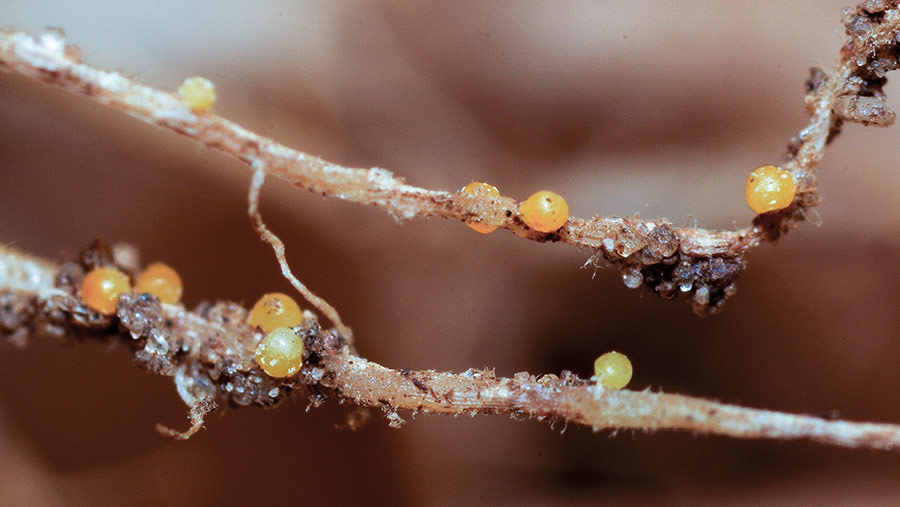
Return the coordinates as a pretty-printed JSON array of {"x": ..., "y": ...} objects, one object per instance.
[
  {"x": 101, "y": 288},
  {"x": 544, "y": 211},
  {"x": 770, "y": 188},
  {"x": 162, "y": 281},
  {"x": 275, "y": 310},
  {"x": 479, "y": 188}
]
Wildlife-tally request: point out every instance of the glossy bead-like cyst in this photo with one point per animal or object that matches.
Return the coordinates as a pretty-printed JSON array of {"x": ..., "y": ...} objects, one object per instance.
[
  {"x": 101, "y": 288},
  {"x": 162, "y": 281},
  {"x": 612, "y": 370},
  {"x": 197, "y": 93},
  {"x": 770, "y": 188},
  {"x": 544, "y": 211},
  {"x": 280, "y": 353},
  {"x": 275, "y": 310},
  {"x": 479, "y": 188}
]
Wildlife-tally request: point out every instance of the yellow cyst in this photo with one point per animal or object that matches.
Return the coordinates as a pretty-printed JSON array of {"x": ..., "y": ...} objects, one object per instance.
[
  {"x": 544, "y": 211},
  {"x": 101, "y": 288},
  {"x": 613, "y": 370},
  {"x": 770, "y": 188},
  {"x": 479, "y": 188},
  {"x": 275, "y": 310},
  {"x": 197, "y": 93},
  {"x": 280, "y": 353},
  {"x": 162, "y": 281}
]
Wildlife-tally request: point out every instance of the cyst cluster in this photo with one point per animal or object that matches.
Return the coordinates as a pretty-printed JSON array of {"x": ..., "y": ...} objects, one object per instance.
[{"x": 217, "y": 354}]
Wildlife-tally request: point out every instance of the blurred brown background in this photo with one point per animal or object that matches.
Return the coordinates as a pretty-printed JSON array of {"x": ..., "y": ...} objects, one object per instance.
[{"x": 651, "y": 108}]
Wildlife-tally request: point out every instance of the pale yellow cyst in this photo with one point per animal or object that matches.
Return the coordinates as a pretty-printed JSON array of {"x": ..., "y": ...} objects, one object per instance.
[
  {"x": 612, "y": 370},
  {"x": 280, "y": 353},
  {"x": 197, "y": 93}
]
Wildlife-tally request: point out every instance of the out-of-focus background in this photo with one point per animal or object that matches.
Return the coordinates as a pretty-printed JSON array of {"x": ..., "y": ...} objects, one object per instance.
[{"x": 652, "y": 108}]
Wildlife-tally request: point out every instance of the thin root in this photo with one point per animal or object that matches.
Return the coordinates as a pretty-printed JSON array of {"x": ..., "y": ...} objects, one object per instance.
[
  {"x": 196, "y": 415},
  {"x": 259, "y": 177}
]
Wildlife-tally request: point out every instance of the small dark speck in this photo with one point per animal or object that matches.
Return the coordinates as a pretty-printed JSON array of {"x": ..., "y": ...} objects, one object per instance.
[{"x": 830, "y": 415}]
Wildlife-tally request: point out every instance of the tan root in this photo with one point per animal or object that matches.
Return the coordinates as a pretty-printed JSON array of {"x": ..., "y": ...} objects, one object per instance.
[
  {"x": 209, "y": 351},
  {"x": 699, "y": 263}
]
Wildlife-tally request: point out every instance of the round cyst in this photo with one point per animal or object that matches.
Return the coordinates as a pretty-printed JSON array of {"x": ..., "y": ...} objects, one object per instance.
[
  {"x": 162, "y": 281},
  {"x": 280, "y": 353},
  {"x": 275, "y": 310},
  {"x": 545, "y": 211},
  {"x": 101, "y": 288},
  {"x": 613, "y": 370}
]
